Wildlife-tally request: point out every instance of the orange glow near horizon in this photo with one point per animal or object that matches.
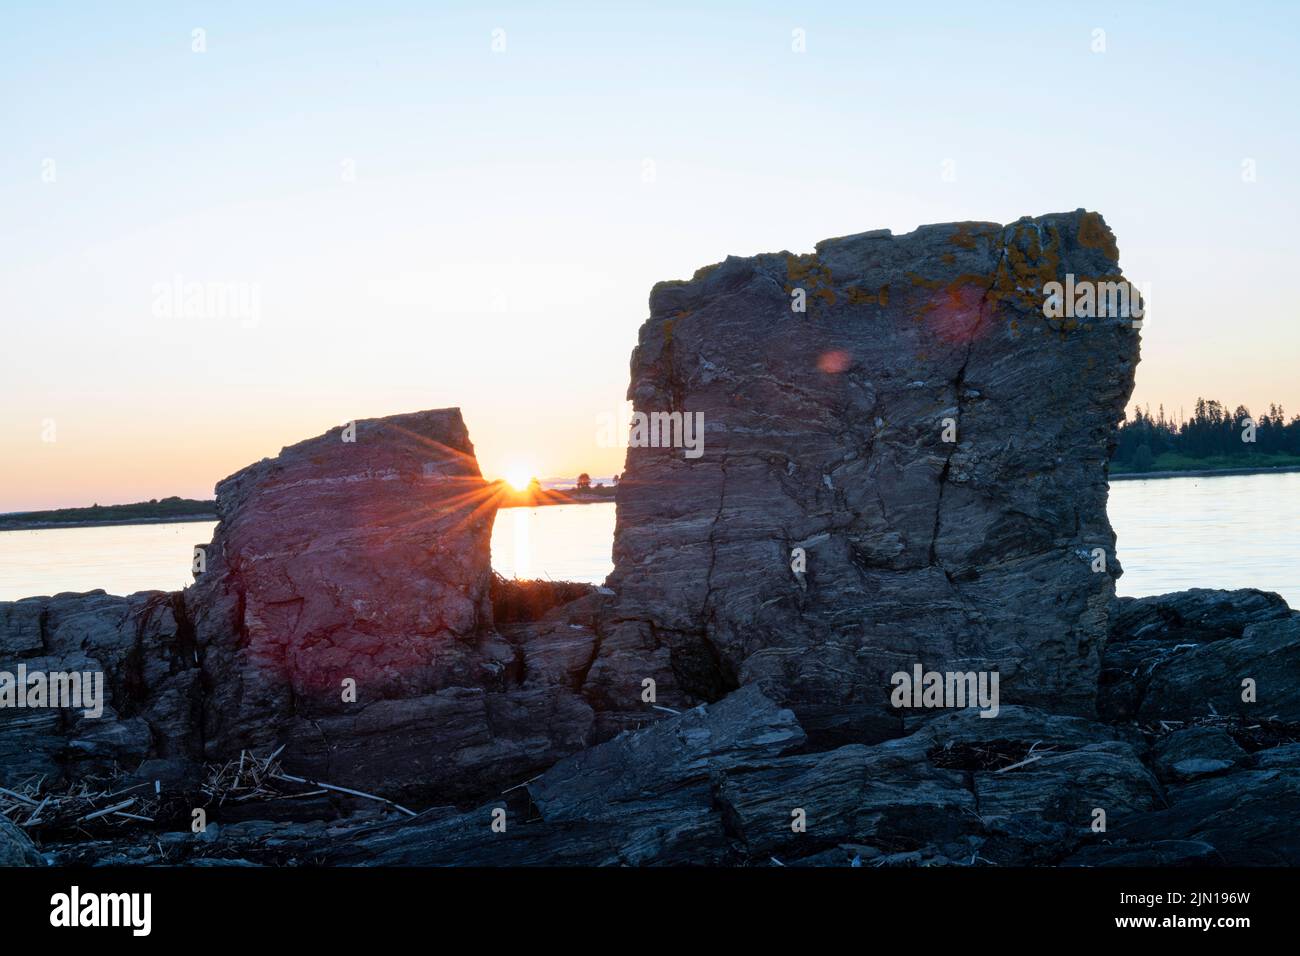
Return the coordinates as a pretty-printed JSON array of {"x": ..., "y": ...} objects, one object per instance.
[{"x": 519, "y": 474}]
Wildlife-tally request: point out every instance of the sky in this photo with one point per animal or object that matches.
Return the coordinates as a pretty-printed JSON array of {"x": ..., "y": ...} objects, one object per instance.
[{"x": 396, "y": 206}]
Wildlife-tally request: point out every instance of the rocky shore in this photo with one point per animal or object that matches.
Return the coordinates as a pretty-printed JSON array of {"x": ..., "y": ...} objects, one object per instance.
[{"x": 911, "y": 472}]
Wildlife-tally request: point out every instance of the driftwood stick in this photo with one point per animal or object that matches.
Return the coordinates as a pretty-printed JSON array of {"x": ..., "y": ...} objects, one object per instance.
[
  {"x": 18, "y": 796},
  {"x": 107, "y": 810},
  {"x": 354, "y": 793},
  {"x": 1021, "y": 764},
  {"x": 296, "y": 796},
  {"x": 118, "y": 793},
  {"x": 524, "y": 784},
  {"x": 37, "y": 812}
]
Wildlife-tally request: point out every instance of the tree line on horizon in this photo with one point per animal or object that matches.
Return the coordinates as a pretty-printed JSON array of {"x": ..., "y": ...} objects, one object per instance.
[{"x": 1149, "y": 440}]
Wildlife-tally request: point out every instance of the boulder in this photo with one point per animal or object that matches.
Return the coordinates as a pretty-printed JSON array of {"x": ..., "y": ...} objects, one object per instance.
[
  {"x": 1255, "y": 676},
  {"x": 1147, "y": 631},
  {"x": 1197, "y": 752},
  {"x": 1194, "y": 616},
  {"x": 1248, "y": 817},
  {"x": 1157, "y": 853},
  {"x": 359, "y": 555},
  {"x": 151, "y": 681},
  {"x": 345, "y": 612},
  {"x": 15, "y": 848},
  {"x": 931, "y": 442}
]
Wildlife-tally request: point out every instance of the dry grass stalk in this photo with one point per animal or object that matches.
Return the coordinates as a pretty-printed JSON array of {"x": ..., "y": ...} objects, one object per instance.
[{"x": 30, "y": 806}]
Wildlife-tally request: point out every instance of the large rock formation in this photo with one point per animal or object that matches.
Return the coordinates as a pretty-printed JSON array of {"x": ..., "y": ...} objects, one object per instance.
[
  {"x": 342, "y": 612},
  {"x": 359, "y": 554},
  {"x": 364, "y": 557},
  {"x": 342, "y": 628},
  {"x": 825, "y": 431}
]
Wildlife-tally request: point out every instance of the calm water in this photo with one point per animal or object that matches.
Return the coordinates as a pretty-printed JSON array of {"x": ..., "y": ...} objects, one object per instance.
[
  {"x": 1174, "y": 533},
  {"x": 118, "y": 558},
  {"x": 1237, "y": 531},
  {"x": 561, "y": 542}
]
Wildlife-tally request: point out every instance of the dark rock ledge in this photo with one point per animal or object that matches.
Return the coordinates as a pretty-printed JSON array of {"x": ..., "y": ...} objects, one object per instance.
[{"x": 365, "y": 564}]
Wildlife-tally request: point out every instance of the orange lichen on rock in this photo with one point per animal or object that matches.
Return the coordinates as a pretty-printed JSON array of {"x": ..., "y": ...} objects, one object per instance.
[
  {"x": 1027, "y": 265},
  {"x": 1095, "y": 234},
  {"x": 860, "y": 296},
  {"x": 703, "y": 271},
  {"x": 811, "y": 274}
]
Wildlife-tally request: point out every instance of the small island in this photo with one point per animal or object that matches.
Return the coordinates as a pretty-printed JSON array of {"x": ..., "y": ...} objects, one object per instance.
[
  {"x": 1214, "y": 441},
  {"x": 534, "y": 495},
  {"x": 154, "y": 511}
]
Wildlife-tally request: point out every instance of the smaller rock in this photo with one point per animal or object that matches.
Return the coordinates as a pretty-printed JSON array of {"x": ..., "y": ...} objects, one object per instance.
[
  {"x": 15, "y": 847},
  {"x": 1248, "y": 817},
  {"x": 1285, "y": 755},
  {"x": 1196, "y": 752},
  {"x": 1157, "y": 853},
  {"x": 1211, "y": 679},
  {"x": 1194, "y": 616},
  {"x": 1147, "y": 632},
  {"x": 592, "y": 784}
]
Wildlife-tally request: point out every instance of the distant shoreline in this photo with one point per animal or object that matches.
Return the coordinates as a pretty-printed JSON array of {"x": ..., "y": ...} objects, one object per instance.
[
  {"x": 136, "y": 514},
  {"x": 549, "y": 498},
  {"x": 14, "y": 525},
  {"x": 1203, "y": 473},
  {"x": 18, "y": 525}
]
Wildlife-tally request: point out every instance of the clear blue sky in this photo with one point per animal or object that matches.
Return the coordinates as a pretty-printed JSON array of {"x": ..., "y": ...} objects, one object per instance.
[{"x": 496, "y": 245}]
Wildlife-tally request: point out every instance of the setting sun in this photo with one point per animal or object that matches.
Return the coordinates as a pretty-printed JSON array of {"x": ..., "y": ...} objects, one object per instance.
[{"x": 519, "y": 475}]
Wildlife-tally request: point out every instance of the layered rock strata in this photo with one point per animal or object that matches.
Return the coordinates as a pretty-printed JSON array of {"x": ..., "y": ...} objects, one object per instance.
[{"x": 923, "y": 438}]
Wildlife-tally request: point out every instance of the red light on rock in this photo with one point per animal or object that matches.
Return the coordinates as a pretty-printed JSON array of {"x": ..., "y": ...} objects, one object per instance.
[{"x": 834, "y": 362}]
